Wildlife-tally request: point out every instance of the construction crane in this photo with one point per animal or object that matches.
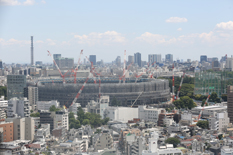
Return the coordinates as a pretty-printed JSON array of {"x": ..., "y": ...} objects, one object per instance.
[
  {"x": 137, "y": 76},
  {"x": 173, "y": 84},
  {"x": 92, "y": 70},
  {"x": 76, "y": 69},
  {"x": 80, "y": 91},
  {"x": 63, "y": 76},
  {"x": 123, "y": 76},
  {"x": 181, "y": 82},
  {"x": 203, "y": 107},
  {"x": 137, "y": 99}
]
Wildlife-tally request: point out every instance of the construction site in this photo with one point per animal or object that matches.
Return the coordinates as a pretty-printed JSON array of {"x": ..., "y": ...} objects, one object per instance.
[{"x": 126, "y": 89}]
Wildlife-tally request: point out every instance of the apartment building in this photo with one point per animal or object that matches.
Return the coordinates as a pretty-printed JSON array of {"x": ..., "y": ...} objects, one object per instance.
[
  {"x": 98, "y": 107},
  {"x": 45, "y": 105},
  {"x": 219, "y": 121},
  {"x": 33, "y": 96},
  {"x": 18, "y": 107},
  {"x": 62, "y": 119},
  {"x": 8, "y": 132},
  {"x": 148, "y": 113}
]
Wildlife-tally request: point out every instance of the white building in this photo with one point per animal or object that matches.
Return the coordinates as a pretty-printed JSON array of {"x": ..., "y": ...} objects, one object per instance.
[
  {"x": 45, "y": 105},
  {"x": 18, "y": 107},
  {"x": 219, "y": 121},
  {"x": 229, "y": 64},
  {"x": 98, "y": 107},
  {"x": 74, "y": 108},
  {"x": 153, "y": 147},
  {"x": 149, "y": 113},
  {"x": 168, "y": 121},
  {"x": 226, "y": 150},
  {"x": 61, "y": 119},
  {"x": 122, "y": 114},
  {"x": 209, "y": 110},
  {"x": 33, "y": 96}
]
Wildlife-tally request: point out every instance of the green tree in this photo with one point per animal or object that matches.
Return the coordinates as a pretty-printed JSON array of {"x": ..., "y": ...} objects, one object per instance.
[
  {"x": 184, "y": 102},
  {"x": 35, "y": 114},
  {"x": 71, "y": 115},
  {"x": 203, "y": 124},
  {"x": 224, "y": 97},
  {"x": 80, "y": 114},
  {"x": 220, "y": 137},
  {"x": 115, "y": 102},
  {"x": 3, "y": 91},
  {"x": 86, "y": 121},
  {"x": 213, "y": 96},
  {"x": 174, "y": 141},
  {"x": 203, "y": 102},
  {"x": 53, "y": 108}
]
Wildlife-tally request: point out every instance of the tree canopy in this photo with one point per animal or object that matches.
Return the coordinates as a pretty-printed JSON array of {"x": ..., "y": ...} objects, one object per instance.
[
  {"x": 184, "y": 102},
  {"x": 53, "y": 108},
  {"x": 203, "y": 124},
  {"x": 3, "y": 91},
  {"x": 35, "y": 114},
  {"x": 174, "y": 141}
]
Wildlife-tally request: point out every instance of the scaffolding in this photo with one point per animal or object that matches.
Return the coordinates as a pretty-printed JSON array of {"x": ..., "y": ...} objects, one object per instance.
[{"x": 207, "y": 82}]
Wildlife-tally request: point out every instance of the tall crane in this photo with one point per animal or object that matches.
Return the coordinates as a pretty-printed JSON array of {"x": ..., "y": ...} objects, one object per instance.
[
  {"x": 181, "y": 82},
  {"x": 137, "y": 99},
  {"x": 76, "y": 69},
  {"x": 137, "y": 76},
  {"x": 92, "y": 70},
  {"x": 63, "y": 76},
  {"x": 203, "y": 107},
  {"x": 123, "y": 76}
]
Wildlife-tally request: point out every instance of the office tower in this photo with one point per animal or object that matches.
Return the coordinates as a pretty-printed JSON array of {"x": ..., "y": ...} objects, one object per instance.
[
  {"x": 230, "y": 103},
  {"x": 0, "y": 64},
  {"x": 33, "y": 96},
  {"x": 189, "y": 60},
  {"x": 63, "y": 62},
  {"x": 130, "y": 59},
  {"x": 32, "y": 50},
  {"x": 137, "y": 59},
  {"x": 18, "y": 107},
  {"x": 169, "y": 58},
  {"x": 154, "y": 58},
  {"x": 214, "y": 59},
  {"x": 15, "y": 86},
  {"x": 118, "y": 61},
  {"x": 92, "y": 58},
  {"x": 229, "y": 64},
  {"x": 203, "y": 58}
]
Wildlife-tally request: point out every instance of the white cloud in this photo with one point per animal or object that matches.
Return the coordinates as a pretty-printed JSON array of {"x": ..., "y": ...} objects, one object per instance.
[
  {"x": 152, "y": 38},
  {"x": 97, "y": 38},
  {"x": 179, "y": 29},
  {"x": 13, "y": 42},
  {"x": 225, "y": 25},
  {"x": 43, "y": 1},
  {"x": 16, "y": 2},
  {"x": 29, "y": 2},
  {"x": 176, "y": 20},
  {"x": 9, "y": 2},
  {"x": 50, "y": 42}
]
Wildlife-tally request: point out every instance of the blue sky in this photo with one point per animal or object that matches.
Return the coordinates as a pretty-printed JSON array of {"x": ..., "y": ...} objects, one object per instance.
[{"x": 185, "y": 29}]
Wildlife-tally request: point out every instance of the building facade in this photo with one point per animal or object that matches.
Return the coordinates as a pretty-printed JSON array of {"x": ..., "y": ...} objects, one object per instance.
[
  {"x": 92, "y": 58},
  {"x": 45, "y": 105},
  {"x": 169, "y": 58},
  {"x": 230, "y": 103},
  {"x": 18, "y": 107},
  {"x": 15, "y": 86},
  {"x": 203, "y": 58},
  {"x": 138, "y": 59},
  {"x": 33, "y": 96},
  {"x": 8, "y": 133}
]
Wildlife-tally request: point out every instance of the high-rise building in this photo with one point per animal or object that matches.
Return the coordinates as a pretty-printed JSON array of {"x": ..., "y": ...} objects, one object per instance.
[
  {"x": 138, "y": 59},
  {"x": 0, "y": 64},
  {"x": 15, "y": 86},
  {"x": 63, "y": 62},
  {"x": 92, "y": 58},
  {"x": 203, "y": 58},
  {"x": 118, "y": 61},
  {"x": 18, "y": 107},
  {"x": 230, "y": 103},
  {"x": 169, "y": 58},
  {"x": 130, "y": 59},
  {"x": 154, "y": 58},
  {"x": 32, "y": 51},
  {"x": 229, "y": 64},
  {"x": 56, "y": 56},
  {"x": 33, "y": 96}
]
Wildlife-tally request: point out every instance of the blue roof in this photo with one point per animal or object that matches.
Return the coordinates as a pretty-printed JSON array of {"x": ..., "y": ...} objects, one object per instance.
[
  {"x": 69, "y": 141},
  {"x": 182, "y": 137}
]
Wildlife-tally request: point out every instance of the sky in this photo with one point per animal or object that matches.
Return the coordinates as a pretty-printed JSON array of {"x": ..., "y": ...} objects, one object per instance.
[{"x": 186, "y": 29}]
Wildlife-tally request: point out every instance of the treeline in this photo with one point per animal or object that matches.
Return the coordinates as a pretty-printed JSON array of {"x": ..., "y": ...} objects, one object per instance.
[{"x": 86, "y": 118}]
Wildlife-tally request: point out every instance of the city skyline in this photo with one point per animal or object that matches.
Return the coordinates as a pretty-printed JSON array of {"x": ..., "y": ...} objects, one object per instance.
[{"x": 109, "y": 28}]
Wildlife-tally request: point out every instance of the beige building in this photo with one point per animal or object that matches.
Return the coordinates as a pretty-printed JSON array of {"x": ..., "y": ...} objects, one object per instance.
[
  {"x": 23, "y": 128},
  {"x": 33, "y": 96}
]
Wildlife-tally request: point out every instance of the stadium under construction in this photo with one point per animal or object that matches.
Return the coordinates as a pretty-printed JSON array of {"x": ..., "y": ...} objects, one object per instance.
[{"x": 145, "y": 90}]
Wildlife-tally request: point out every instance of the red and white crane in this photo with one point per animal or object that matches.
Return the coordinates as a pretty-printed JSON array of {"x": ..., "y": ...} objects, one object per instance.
[
  {"x": 123, "y": 76},
  {"x": 203, "y": 107},
  {"x": 76, "y": 69},
  {"x": 63, "y": 76},
  {"x": 181, "y": 82},
  {"x": 92, "y": 70},
  {"x": 137, "y": 76}
]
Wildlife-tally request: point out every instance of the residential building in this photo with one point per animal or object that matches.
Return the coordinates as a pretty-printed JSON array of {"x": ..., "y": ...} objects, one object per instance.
[
  {"x": 203, "y": 58},
  {"x": 8, "y": 130},
  {"x": 59, "y": 132},
  {"x": 18, "y": 107},
  {"x": 43, "y": 132},
  {"x": 1, "y": 134},
  {"x": 134, "y": 144},
  {"x": 230, "y": 103},
  {"x": 45, "y": 105},
  {"x": 148, "y": 113},
  {"x": 62, "y": 119},
  {"x": 130, "y": 59},
  {"x": 24, "y": 128},
  {"x": 98, "y": 107},
  {"x": 47, "y": 117},
  {"x": 229, "y": 64},
  {"x": 163, "y": 114},
  {"x": 92, "y": 58},
  {"x": 219, "y": 121},
  {"x": 137, "y": 59},
  {"x": 102, "y": 140},
  {"x": 74, "y": 107},
  {"x": 36, "y": 121},
  {"x": 169, "y": 58},
  {"x": 226, "y": 150},
  {"x": 15, "y": 86},
  {"x": 154, "y": 150},
  {"x": 122, "y": 114},
  {"x": 33, "y": 96}
]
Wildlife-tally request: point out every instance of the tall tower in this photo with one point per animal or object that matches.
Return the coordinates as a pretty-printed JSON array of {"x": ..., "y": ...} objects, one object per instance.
[{"x": 32, "y": 54}]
